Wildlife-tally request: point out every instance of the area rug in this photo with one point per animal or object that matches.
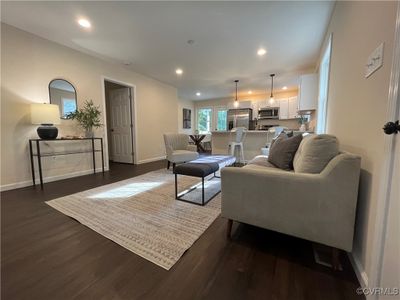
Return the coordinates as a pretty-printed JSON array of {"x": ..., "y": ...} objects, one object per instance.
[{"x": 142, "y": 215}]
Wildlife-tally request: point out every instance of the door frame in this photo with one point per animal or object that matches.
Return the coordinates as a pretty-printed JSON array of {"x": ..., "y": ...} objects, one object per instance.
[
  {"x": 382, "y": 213},
  {"x": 132, "y": 88}
]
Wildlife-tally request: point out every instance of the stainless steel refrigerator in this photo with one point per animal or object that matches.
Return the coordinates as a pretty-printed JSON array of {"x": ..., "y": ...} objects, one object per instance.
[{"x": 240, "y": 118}]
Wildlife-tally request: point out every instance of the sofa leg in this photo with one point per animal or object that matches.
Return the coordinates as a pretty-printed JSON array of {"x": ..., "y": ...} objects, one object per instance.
[
  {"x": 335, "y": 259},
  {"x": 168, "y": 164},
  {"x": 229, "y": 228}
]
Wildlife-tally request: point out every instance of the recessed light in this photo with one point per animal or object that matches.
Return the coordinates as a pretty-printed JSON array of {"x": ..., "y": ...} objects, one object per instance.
[
  {"x": 198, "y": 94},
  {"x": 261, "y": 51},
  {"x": 84, "y": 23},
  {"x": 179, "y": 71},
  {"x": 250, "y": 92},
  {"x": 284, "y": 88}
]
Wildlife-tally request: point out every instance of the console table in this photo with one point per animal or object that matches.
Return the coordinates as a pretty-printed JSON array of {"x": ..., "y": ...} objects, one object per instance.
[{"x": 39, "y": 155}]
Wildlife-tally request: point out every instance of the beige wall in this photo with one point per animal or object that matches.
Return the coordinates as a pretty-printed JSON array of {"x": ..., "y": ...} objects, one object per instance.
[
  {"x": 29, "y": 63},
  {"x": 181, "y": 105},
  {"x": 357, "y": 106}
]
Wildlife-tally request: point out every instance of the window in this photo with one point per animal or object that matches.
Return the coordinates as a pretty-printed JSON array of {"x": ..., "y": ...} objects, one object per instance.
[
  {"x": 323, "y": 88},
  {"x": 204, "y": 117},
  {"x": 68, "y": 106},
  {"x": 221, "y": 114}
]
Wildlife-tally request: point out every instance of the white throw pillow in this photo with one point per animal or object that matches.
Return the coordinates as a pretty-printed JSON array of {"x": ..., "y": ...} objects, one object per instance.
[{"x": 315, "y": 152}]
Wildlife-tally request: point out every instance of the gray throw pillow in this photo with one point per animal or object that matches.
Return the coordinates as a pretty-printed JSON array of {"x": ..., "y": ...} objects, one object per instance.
[
  {"x": 282, "y": 134},
  {"x": 283, "y": 151},
  {"x": 315, "y": 152}
]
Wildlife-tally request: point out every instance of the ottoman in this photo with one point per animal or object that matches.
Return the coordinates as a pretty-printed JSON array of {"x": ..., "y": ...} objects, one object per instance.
[{"x": 201, "y": 168}]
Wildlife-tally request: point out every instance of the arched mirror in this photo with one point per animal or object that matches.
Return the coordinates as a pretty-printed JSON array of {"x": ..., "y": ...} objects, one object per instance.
[{"x": 63, "y": 94}]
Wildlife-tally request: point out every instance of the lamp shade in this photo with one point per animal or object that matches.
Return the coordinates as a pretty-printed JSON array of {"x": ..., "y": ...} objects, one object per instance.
[{"x": 45, "y": 114}]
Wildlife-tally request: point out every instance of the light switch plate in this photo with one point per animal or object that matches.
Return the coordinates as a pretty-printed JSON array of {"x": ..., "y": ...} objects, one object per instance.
[{"x": 375, "y": 61}]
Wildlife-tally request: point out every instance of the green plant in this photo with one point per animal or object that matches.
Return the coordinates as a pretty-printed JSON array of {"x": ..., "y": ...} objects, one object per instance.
[
  {"x": 87, "y": 117},
  {"x": 302, "y": 119}
]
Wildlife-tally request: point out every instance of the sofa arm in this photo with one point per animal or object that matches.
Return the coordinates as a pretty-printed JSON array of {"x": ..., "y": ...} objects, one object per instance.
[
  {"x": 302, "y": 205},
  {"x": 192, "y": 148}
]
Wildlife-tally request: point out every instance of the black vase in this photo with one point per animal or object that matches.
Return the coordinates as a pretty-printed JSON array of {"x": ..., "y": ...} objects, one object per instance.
[{"x": 47, "y": 132}]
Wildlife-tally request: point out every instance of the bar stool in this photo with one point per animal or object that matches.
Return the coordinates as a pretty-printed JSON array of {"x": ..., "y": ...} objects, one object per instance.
[{"x": 237, "y": 136}]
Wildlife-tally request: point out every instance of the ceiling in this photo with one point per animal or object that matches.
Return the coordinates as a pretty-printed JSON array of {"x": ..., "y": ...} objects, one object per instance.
[{"x": 153, "y": 38}]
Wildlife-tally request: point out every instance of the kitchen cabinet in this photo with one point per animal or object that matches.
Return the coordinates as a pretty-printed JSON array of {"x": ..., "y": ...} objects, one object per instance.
[
  {"x": 283, "y": 109},
  {"x": 308, "y": 92},
  {"x": 242, "y": 104},
  {"x": 293, "y": 107},
  {"x": 288, "y": 108}
]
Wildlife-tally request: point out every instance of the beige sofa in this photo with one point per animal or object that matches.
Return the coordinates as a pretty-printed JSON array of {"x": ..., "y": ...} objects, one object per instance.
[{"x": 319, "y": 206}]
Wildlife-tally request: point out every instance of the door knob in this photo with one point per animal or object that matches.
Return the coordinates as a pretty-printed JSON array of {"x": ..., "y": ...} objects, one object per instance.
[
  {"x": 112, "y": 130},
  {"x": 391, "y": 127}
]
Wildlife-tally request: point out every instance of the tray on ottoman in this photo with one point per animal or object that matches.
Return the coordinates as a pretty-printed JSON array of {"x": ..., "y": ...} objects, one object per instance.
[{"x": 201, "y": 168}]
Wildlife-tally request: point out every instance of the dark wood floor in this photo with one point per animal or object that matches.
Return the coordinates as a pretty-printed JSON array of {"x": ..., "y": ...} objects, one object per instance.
[{"x": 47, "y": 255}]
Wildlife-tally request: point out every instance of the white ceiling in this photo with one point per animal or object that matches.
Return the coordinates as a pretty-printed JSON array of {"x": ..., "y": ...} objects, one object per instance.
[{"x": 153, "y": 37}]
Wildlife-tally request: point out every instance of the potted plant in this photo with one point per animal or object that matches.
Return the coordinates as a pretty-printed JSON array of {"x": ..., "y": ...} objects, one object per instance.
[
  {"x": 87, "y": 117},
  {"x": 303, "y": 121}
]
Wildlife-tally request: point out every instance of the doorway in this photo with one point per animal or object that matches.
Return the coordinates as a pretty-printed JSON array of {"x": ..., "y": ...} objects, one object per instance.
[{"x": 119, "y": 101}]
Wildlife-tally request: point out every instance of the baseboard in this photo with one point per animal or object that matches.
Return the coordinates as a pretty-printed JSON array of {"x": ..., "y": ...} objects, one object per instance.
[
  {"x": 143, "y": 161},
  {"x": 359, "y": 270},
  {"x": 21, "y": 184}
]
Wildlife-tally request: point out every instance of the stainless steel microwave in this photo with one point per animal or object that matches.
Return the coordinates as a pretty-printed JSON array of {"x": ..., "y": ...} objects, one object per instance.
[{"x": 268, "y": 113}]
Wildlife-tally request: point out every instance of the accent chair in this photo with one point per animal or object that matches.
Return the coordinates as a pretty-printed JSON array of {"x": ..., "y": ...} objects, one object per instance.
[{"x": 178, "y": 149}]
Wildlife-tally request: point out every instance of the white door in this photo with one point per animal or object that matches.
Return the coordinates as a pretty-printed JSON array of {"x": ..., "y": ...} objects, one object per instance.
[
  {"x": 390, "y": 274},
  {"x": 121, "y": 126}
]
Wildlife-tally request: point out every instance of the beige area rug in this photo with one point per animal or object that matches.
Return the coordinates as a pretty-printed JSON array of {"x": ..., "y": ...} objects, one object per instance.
[{"x": 142, "y": 215}]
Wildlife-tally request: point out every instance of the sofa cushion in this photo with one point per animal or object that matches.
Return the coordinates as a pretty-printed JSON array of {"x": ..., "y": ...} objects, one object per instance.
[
  {"x": 263, "y": 168},
  {"x": 261, "y": 160},
  {"x": 315, "y": 152},
  {"x": 283, "y": 150}
]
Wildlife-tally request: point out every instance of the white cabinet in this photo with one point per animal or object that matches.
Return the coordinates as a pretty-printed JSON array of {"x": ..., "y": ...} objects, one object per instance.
[
  {"x": 283, "y": 109},
  {"x": 288, "y": 108},
  {"x": 242, "y": 104},
  {"x": 292, "y": 107},
  {"x": 308, "y": 92}
]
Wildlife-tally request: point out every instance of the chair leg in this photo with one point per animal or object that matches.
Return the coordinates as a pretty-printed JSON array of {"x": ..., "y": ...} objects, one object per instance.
[
  {"x": 241, "y": 154},
  {"x": 335, "y": 259},
  {"x": 229, "y": 228},
  {"x": 232, "y": 150},
  {"x": 168, "y": 164}
]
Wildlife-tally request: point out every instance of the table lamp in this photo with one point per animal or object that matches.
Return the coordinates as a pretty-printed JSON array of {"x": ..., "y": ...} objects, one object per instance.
[{"x": 46, "y": 115}]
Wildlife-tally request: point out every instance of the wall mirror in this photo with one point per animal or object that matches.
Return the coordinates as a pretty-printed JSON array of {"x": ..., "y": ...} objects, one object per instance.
[{"x": 63, "y": 94}]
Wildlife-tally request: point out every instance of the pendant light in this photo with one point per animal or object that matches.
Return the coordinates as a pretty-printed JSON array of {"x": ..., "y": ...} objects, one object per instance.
[
  {"x": 236, "y": 103},
  {"x": 271, "y": 98}
]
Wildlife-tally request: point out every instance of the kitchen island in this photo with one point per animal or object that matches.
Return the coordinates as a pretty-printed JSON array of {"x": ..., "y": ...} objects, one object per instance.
[{"x": 252, "y": 144}]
